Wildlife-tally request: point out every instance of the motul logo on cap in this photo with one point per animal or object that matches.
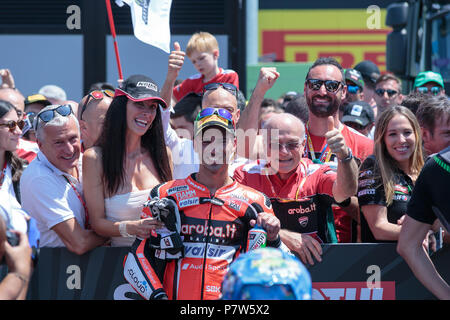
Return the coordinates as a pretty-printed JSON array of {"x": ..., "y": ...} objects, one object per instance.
[
  {"x": 147, "y": 85},
  {"x": 353, "y": 291}
]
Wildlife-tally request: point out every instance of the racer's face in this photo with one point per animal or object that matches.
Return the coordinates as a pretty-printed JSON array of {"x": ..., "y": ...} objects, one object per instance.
[{"x": 216, "y": 148}]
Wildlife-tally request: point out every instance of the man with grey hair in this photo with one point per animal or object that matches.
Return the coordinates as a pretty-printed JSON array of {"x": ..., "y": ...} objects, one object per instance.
[{"x": 51, "y": 184}]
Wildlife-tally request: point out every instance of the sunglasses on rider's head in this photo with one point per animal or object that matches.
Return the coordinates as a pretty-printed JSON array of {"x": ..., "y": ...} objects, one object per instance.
[
  {"x": 391, "y": 93},
  {"x": 223, "y": 113},
  {"x": 64, "y": 110},
  {"x": 330, "y": 85},
  {"x": 227, "y": 86},
  {"x": 97, "y": 95},
  {"x": 434, "y": 90},
  {"x": 11, "y": 125}
]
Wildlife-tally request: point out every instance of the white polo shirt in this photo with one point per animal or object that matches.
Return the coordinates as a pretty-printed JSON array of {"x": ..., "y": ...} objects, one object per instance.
[{"x": 49, "y": 198}]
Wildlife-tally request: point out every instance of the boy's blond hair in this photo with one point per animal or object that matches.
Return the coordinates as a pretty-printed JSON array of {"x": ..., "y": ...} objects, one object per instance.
[{"x": 201, "y": 42}]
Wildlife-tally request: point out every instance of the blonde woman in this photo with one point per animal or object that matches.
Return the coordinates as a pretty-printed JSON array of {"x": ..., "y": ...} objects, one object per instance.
[{"x": 386, "y": 179}]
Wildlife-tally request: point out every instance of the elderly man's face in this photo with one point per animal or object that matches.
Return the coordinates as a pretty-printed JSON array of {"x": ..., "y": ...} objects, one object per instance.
[{"x": 61, "y": 145}]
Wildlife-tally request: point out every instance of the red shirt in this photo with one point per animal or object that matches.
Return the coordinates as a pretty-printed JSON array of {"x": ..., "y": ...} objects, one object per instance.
[
  {"x": 319, "y": 180},
  {"x": 311, "y": 186},
  {"x": 362, "y": 147},
  {"x": 27, "y": 150},
  {"x": 195, "y": 83}
]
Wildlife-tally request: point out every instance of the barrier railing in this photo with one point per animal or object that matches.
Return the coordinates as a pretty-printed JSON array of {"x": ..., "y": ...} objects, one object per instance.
[{"x": 347, "y": 272}]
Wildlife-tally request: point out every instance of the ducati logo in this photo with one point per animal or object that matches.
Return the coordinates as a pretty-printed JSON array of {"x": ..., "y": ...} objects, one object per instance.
[{"x": 303, "y": 221}]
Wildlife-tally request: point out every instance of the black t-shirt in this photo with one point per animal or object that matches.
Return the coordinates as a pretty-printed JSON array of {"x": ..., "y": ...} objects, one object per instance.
[
  {"x": 371, "y": 191},
  {"x": 431, "y": 197}
]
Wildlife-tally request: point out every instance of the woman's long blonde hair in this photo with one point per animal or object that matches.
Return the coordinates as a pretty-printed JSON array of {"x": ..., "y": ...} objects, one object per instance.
[{"x": 387, "y": 166}]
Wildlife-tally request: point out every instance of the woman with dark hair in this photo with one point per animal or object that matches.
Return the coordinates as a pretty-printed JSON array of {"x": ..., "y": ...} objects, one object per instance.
[
  {"x": 11, "y": 166},
  {"x": 386, "y": 179},
  {"x": 129, "y": 159}
]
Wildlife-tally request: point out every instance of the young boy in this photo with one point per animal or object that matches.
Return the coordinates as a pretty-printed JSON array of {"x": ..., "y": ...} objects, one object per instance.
[{"x": 203, "y": 51}]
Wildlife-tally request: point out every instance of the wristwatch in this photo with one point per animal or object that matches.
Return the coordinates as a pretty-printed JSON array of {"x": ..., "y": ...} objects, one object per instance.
[
  {"x": 348, "y": 158},
  {"x": 123, "y": 230}
]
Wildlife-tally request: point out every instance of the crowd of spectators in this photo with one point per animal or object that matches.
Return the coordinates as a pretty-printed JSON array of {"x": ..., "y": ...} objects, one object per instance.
[{"x": 347, "y": 149}]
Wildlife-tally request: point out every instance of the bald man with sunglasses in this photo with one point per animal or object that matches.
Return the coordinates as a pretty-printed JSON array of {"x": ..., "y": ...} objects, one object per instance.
[{"x": 91, "y": 115}]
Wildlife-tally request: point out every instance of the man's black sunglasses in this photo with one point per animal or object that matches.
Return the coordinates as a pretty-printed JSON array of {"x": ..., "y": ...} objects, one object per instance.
[
  {"x": 391, "y": 93},
  {"x": 227, "y": 86},
  {"x": 330, "y": 85}
]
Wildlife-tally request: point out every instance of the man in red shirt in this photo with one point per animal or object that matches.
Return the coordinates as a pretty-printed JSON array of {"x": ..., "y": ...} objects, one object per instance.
[
  {"x": 323, "y": 101},
  {"x": 301, "y": 191},
  {"x": 324, "y": 91}
]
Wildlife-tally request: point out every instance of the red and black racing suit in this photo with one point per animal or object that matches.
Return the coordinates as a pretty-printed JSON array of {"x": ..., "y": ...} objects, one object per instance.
[{"x": 214, "y": 230}]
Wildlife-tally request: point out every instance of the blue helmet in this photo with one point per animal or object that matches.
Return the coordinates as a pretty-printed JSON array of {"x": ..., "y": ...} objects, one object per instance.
[{"x": 267, "y": 274}]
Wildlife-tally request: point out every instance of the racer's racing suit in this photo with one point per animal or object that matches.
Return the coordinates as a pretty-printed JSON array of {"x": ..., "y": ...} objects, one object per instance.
[{"x": 207, "y": 233}]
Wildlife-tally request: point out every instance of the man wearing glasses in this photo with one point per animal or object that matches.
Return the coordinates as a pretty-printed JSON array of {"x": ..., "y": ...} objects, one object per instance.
[
  {"x": 387, "y": 92},
  {"x": 355, "y": 89},
  {"x": 324, "y": 91},
  {"x": 51, "y": 184},
  {"x": 429, "y": 82}
]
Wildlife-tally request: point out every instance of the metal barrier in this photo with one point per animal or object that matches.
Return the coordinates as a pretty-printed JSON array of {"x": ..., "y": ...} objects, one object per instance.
[{"x": 347, "y": 272}]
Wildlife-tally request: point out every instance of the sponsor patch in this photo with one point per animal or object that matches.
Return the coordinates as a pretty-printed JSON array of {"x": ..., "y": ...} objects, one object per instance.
[
  {"x": 147, "y": 85},
  {"x": 365, "y": 173},
  {"x": 177, "y": 189},
  {"x": 365, "y": 192},
  {"x": 181, "y": 195},
  {"x": 365, "y": 182},
  {"x": 400, "y": 189},
  {"x": 189, "y": 202}
]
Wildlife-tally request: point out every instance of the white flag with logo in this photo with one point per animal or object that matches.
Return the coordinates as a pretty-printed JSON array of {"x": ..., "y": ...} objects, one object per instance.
[{"x": 151, "y": 21}]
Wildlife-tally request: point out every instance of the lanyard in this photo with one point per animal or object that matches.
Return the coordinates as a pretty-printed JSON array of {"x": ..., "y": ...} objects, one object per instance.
[
  {"x": 3, "y": 174},
  {"x": 325, "y": 154},
  {"x": 300, "y": 185},
  {"x": 86, "y": 215}
]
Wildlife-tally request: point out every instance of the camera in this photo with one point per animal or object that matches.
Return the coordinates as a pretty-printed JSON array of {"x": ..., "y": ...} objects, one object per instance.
[
  {"x": 13, "y": 241},
  {"x": 33, "y": 239}
]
